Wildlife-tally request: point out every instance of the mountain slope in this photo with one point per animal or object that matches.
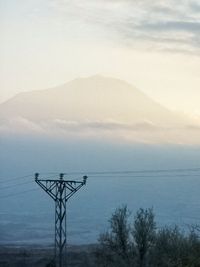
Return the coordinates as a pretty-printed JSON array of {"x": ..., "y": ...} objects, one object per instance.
[{"x": 93, "y": 99}]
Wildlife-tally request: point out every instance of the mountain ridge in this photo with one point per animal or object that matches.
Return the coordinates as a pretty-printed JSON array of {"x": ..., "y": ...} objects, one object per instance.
[
  {"x": 96, "y": 107},
  {"x": 91, "y": 93}
]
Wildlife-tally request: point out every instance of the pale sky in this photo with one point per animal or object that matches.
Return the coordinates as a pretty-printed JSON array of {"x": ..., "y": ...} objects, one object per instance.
[{"x": 154, "y": 45}]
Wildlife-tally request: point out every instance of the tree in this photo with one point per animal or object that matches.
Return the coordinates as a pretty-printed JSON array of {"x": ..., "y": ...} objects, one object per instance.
[
  {"x": 141, "y": 245},
  {"x": 114, "y": 249},
  {"x": 51, "y": 264},
  {"x": 173, "y": 248},
  {"x": 125, "y": 246},
  {"x": 144, "y": 234}
]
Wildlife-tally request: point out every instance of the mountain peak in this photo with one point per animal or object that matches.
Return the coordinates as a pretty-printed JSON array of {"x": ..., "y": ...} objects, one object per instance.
[
  {"x": 88, "y": 98},
  {"x": 98, "y": 102}
]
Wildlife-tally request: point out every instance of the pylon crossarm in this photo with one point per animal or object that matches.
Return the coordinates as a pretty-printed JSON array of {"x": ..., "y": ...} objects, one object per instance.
[
  {"x": 72, "y": 185},
  {"x": 72, "y": 182},
  {"x": 73, "y": 192},
  {"x": 47, "y": 188},
  {"x": 49, "y": 184}
]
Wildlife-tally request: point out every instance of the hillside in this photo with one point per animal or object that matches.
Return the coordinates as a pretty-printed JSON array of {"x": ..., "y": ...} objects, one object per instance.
[
  {"x": 89, "y": 99},
  {"x": 94, "y": 106}
]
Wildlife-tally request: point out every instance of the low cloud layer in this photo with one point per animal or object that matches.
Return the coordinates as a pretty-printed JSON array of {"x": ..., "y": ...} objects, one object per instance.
[{"x": 141, "y": 132}]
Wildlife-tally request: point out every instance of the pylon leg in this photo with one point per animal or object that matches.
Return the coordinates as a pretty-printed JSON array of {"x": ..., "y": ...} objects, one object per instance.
[{"x": 60, "y": 228}]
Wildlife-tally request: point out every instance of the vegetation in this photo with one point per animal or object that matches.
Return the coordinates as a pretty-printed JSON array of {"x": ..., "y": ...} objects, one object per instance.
[
  {"x": 136, "y": 242},
  {"x": 141, "y": 244}
]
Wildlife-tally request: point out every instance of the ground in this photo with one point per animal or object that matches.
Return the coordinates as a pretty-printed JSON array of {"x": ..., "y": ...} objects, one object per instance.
[{"x": 40, "y": 256}]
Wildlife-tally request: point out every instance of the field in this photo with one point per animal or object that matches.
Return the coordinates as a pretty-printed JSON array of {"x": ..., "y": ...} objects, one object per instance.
[{"x": 32, "y": 256}]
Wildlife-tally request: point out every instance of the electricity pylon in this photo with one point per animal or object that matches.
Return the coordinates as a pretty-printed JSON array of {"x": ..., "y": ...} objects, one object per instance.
[{"x": 60, "y": 191}]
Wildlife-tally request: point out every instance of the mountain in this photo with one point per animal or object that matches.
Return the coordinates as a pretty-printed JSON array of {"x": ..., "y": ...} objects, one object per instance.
[
  {"x": 93, "y": 99},
  {"x": 95, "y": 103}
]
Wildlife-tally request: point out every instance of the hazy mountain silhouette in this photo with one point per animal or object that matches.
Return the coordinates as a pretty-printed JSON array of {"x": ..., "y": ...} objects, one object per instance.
[
  {"x": 93, "y": 99},
  {"x": 96, "y": 108}
]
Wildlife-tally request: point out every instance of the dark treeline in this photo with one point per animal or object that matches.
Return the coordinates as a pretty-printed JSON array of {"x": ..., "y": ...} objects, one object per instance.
[{"x": 141, "y": 244}]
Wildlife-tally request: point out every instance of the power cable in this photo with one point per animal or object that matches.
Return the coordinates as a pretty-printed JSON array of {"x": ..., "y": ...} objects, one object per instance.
[
  {"x": 19, "y": 193},
  {"x": 14, "y": 185},
  {"x": 16, "y": 178}
]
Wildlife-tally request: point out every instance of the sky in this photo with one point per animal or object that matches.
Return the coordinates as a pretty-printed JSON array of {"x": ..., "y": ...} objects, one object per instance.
[{"x": 154, "y": 45}]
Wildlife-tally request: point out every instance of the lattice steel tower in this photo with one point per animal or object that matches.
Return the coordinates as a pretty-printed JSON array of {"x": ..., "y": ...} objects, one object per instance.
[{"x": 60, "y": 191}]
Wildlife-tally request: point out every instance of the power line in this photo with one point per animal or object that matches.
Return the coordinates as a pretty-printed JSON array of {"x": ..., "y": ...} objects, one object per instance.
[
  {"x": 135, "y": 171},
  {"x": 15, "y": 178},
  {"x": 107, "y": 172},
  {"x": 19, "y": 193},
  {"x": 154, "y": 173},
  {"x": 146, "y": 176},
  {"x": 116, "y": 176},
  {"x": 20, "y": 178},
  {"x": 146, "y": 171},
  {"x": 14, "y": 185},
  {"x": 104, "y": 177}
]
